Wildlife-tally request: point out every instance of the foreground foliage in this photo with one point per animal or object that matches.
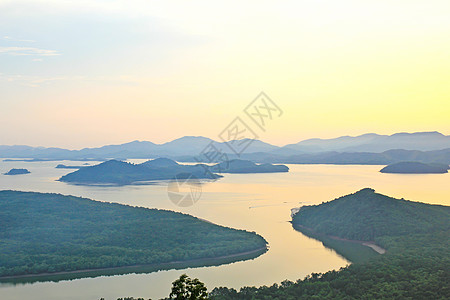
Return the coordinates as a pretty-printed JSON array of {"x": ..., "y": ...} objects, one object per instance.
[{"x": 185, "y": 288}]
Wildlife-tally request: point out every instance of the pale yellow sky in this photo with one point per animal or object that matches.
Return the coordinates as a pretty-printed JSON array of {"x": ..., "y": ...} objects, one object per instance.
[{"x": 87, "y": 73}]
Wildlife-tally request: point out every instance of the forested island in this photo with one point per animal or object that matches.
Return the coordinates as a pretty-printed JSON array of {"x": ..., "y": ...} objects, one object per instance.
[
  {"x": 415, "y": 168},
  {"x": 246, "y": 166},
  {"x": 43, "y": 234},
  {"x": 415, "y": 266},
  {"x": 17, "y": 172},
  {"x": 119, "y": 172}
]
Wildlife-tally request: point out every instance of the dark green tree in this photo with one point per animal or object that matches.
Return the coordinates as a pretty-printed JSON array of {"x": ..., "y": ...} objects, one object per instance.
[{"x": 185, "y": 288}]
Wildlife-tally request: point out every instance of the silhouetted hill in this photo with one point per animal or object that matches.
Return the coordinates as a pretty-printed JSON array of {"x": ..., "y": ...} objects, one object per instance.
[
  {"x": 415, "y": 168},
  {"x": 364, "y": 158},
  {"x": 246, "y": 166},
  {"x": 127, "y": 150},
  {"x": 424, "y": 141},
  {"x": 119, "y": 172},
  {"x": 190, "y": 146},
  {"x": 160, "y": 163}
]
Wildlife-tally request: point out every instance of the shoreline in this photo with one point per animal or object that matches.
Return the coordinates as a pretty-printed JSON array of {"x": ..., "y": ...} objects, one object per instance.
[
  {"x": 369, "y": 244},
  {"x": 158, "y": 266}
]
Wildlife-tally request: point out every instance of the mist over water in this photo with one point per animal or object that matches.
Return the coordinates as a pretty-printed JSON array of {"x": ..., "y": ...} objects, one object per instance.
[{"x": 254, "y": 202}]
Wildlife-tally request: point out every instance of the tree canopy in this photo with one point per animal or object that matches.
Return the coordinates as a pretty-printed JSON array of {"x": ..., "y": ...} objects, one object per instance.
[
  {"x": 415, "y": 266},
  {"x": 48, "y": 233}
]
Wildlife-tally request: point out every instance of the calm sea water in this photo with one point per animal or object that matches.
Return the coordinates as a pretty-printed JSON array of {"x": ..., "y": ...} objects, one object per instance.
[{"x": 254, "y": 202}]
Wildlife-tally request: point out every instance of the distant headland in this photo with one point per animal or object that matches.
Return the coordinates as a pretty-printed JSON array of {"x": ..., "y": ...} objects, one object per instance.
[{"x": 415, "y": 168}]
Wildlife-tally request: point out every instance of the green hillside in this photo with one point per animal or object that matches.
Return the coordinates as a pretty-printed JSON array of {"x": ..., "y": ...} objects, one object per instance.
[
  {"x": 415, "y": 266},
  {"x": 366, "y": 215},
  {"x": 47, "y": 233}
]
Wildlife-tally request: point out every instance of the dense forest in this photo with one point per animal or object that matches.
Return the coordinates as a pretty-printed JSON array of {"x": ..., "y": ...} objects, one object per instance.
[
  {"x": 366, "y": 215},
  {"x": 47, "y": 233},
  {"x": 415, "y": 266}
]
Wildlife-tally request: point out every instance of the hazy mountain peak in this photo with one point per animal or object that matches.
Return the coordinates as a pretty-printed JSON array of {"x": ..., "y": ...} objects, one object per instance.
[
  {"x": 196, "y": 145},
  {"x": 190, "y": 138},
  {"x": 160, "y": 162},
  {"x": 371, "y": 142},
  {"x": 137, "y": 142}
]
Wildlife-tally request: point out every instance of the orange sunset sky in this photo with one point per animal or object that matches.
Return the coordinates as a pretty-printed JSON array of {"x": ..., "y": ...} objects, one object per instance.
[{"x": 87, "y": 73}]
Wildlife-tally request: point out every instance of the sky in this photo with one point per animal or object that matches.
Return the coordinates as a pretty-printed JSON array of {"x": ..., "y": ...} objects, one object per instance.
[{"x": 84, "y": 73}]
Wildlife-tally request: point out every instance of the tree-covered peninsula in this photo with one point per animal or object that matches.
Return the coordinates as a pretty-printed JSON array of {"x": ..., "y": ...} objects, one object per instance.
[
  {"x": 49, "y": 233},
  {"x": 415, "y": 266}
]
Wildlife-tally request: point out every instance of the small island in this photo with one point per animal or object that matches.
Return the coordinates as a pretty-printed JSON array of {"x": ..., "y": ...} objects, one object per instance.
[
  {"x": 71, "y": 235},
  {"x": 62, "y": 166},
  {"x": 415, "y": 168},
  {"x": 240, "y": 166},
  {"x": 17, "y": 172},
  {"x": 122, "y": 173}
]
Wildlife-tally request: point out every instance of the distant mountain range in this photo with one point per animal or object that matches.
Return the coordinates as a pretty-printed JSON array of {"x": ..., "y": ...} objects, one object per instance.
[
  {"x": 371, "y": 142},
  {"x": 354, "y": 158},
  {"x": 188, "y": 145},
  {"x": 371, "y": 148}
]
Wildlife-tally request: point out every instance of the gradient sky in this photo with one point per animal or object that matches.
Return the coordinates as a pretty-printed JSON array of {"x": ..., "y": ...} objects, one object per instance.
[{"x": 86, "y": 73}]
